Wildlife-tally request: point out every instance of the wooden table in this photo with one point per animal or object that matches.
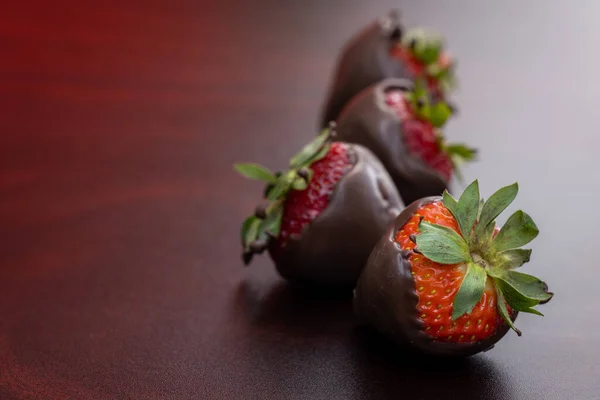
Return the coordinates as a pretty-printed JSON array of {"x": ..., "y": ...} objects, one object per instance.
[{"x": 120, "y": 270}]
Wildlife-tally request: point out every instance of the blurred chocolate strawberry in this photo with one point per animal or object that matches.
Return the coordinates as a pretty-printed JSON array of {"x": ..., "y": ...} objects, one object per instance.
[
  {"x": 395, "y": 120},
  {"x": 323, "y": 216},
  {"x": 443, "y": 278},
  {"x": 384, "y": 49}
]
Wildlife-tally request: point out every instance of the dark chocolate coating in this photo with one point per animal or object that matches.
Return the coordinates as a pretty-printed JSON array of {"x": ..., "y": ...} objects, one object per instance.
[
  {"x": 385, "y": 297},
  {"x": 369, "y": 121},
  {"x": 335, "y": 246},
  {"x": 364, "y": 60}
]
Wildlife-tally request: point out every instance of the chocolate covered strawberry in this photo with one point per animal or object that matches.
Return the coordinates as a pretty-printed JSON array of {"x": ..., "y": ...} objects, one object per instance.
[
  {"x": 384, "y": 49},
  {"x": 323, "y": 216},
  {"x": 443, "y": 280},
  {"x": 395, "y": 120}
]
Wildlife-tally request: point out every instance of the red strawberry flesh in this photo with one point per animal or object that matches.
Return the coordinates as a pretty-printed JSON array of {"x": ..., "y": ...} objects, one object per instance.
[
  {"x": 419, "y": 135},
  {"x": 436, "y": 286},
  {"x": 302, "y": 206}
]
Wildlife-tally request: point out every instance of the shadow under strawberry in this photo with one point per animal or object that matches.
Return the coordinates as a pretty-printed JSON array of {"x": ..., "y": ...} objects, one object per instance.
[
  {"x": 396, "y": 121},
  {"x": 284, "y": 324},
  {"x": 390, "y": 372},
  {"x": 385, "y": 49},
  {"x": 295, "y": 310}
]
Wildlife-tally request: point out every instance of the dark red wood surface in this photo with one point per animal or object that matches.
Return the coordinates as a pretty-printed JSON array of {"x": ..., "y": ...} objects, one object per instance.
[{"x": 120, "y": 273}]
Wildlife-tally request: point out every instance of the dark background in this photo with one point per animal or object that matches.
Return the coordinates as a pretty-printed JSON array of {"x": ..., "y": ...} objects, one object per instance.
[{"x": 120, "y": 273}]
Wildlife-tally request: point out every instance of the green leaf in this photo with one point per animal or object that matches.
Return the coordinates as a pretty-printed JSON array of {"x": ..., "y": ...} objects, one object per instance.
[
  {"x": 518, "y": 230},
  {"x": 310, "y": 150},
  {"x": 527, "y": 286},
  {"x": 310, "y": 174},
  {"x": 425, "y": 112},
  {"x": 470, "y": 291},
  {"x": 486, "y": 237},
  {"x": 441, "y": 244},
  {"x": 461, "y": 151},
  {"x": 481, "y": 203},
  {"x": 466, "y": 209},
  {"x": 514, "y": 258},
  {"x": 249, "y": 230},
  {"x": 418, "y": 92},
  {"x": 441, "y": 71},
  {"x": 318, "y": 156},
  {"x": 245, "y": 227},
  {"x": 514, "y": 299},
  {"x": 427, "y": 46},
  {"x": 503, "y": 311},
  {"x": 273, "y": 220},
  {"x": 429, "y": 53},
  {"x": 436, "y": 70},
  {"x": 299, "y": 184},
  {"x": 255, "y": 171},
  {"x": 262, "y": 234},
  {"x": 439, "y": 114},
  {"x": 278, "y": 190},
  {"x": 282, "y": 186},
  {"x": 447, "y": 78},
  {"x": 532, "y": 311},
  {"x": 449, "y": 201},
  {"x": 495, "y": 205},
  {"x": 447, "y": 82}
]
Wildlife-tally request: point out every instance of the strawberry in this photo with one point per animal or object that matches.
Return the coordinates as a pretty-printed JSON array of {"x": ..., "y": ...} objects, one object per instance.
[
  {"x": 323, "y": 216},
  {"x": 443, "y": 278},
  {"x": 396, "y": 121},
  {"x": 384, "y": 49}
]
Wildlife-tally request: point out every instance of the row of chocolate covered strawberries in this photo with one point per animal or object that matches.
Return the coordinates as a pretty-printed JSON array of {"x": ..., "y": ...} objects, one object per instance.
[{"x": 437, "y": 275}]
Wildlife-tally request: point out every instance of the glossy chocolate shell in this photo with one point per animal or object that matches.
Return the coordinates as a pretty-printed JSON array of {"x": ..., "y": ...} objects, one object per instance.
[
  {"x": 386, "y": 299},
  {"x": 364, "y": 60},
  {"x": 335, "y": 246},
  {"x": 369, "y": 121}
]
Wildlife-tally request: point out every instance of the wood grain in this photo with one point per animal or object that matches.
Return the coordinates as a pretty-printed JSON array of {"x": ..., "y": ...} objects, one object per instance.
[{"x": 120, "y": 274}]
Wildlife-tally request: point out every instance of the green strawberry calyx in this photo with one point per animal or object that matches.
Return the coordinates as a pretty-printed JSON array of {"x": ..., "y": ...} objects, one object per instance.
[
  {"x": 262, "y": 226},
  {"x": 489, "y": 257},
  {"x": 427, "y": 47},
  {"x": 437, "y": 114}
]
